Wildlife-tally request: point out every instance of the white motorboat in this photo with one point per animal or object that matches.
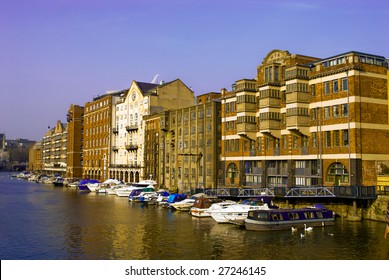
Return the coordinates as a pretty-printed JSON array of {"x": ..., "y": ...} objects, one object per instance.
[
  {"x": 127, "y": 189},
  {"x": 93, "y": 186},
  {"x": 234, "y": 212},
  {"x": 183, "y": 205}
]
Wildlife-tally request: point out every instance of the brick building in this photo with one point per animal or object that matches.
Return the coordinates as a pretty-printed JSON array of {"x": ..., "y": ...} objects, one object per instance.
[
  {"x": 182, "y": 146},
  {"x": 75, "y": 119},
  {"x": 305, "y": 121}
]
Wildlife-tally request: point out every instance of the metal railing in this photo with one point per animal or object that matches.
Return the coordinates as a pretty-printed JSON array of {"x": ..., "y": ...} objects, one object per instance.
[{"x": 355, "y": 192}]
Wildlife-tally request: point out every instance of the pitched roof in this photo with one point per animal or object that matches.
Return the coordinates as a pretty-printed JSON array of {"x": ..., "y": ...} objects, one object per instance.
[{"x": 145, "y": 87}]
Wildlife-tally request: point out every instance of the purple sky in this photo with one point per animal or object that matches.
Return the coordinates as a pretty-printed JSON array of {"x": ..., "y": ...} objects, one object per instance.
[{"x": 57, "y": 52}]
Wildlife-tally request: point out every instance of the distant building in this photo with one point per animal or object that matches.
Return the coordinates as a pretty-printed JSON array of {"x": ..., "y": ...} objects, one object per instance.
[
  {"x": 2, "y": 141},
  {"x": 182, "y": 146},
  {"x": 128, "y": 133},
  {"x": 75, "y": 128},
  {"x": 306, "y": 121},
  {"x": 54, "y": 150},
  {"x": 35, "y": 158}
]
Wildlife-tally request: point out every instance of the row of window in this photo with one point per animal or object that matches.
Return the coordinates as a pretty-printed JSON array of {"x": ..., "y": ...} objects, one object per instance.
[
  {"x": 335, "y": 138},
  {"x": 96, "y": 105}
]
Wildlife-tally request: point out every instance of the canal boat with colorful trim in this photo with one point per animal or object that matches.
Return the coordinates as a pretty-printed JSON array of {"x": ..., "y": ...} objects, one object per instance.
[{"x": 281, "y": 219}]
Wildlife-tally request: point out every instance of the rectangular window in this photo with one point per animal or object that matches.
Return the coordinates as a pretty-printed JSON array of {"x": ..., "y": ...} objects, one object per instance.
[
  {"x": 344, "y": 110},
  {"x": 327, "y": 112},
  {"x": 305, "y": 141},
  {"x": 276, "y": 73},
  {"x": 327, "y": 139},
  {"x": 284, "y": 141},
  {"x": 314, "y": 139},
  {"x": 326, "y": 87},
  {"x": 335, "y": 86},
  {"x": 295, "y": 142},
  {"x": 344, "y": 82},
  {"x": 313, "y": 113},
  {"x": 313, "y": 90},
  {"x": 345, "y": 138},
  {"x": 335, "y": 111}
]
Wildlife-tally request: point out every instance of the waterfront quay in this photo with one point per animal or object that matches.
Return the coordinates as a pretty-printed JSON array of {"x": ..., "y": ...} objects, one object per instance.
[{"x": 40, "y": 221}]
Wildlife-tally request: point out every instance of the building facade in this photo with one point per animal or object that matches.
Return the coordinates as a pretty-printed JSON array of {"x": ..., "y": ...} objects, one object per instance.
[
  {"x": 75, "y": 119},
  {"x": 128, "y": 134},
  {"x": 183, "y": 146},
  {"x": 97, "y": 136},
  {"x": 35, "y": 158},
  {"x": 306, "y": 121},
  {"x": 54, "y": 150}
]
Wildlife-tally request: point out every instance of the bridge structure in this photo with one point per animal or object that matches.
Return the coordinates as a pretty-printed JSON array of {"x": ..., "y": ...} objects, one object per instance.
[{"x": 351, "y": 192}]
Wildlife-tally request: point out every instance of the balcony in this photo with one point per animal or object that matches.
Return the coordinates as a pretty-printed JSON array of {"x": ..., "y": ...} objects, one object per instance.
[
  {"x": 245, "y": 85},
  {"x": 131, "y": 147},
  {"x": 245, "y": 127},
  {"x": 267, "y": 125},
  {"x": 272, "y": 102},
  {"x": 298, "y": 97},
  {"x": 130, "y": 128},
  {"x": 115, "y": 149},
  {"x": 115, "y": 130},
  {"x": 246, "y": 107},
  {"x": 297, "y": 121},
  {"x": 298, "y": 125}
]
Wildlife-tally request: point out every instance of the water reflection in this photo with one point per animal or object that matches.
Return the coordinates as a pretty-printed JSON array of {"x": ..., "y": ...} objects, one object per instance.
[{"x": 44, "y": 222}]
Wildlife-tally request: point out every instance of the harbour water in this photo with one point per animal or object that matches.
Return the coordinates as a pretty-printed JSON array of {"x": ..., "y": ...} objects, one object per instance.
[{"x": 43, "y": 222}]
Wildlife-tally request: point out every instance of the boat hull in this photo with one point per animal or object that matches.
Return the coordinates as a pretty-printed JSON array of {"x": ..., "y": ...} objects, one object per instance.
[
  {"x": 281, "y": 219},
  {"x": 83, "y": 188},
  {"x": 258, "y": 226},
  {"x": 200, "y": 212}
]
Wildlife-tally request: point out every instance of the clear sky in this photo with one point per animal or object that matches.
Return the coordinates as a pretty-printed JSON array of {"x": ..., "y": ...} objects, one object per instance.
[{"x": 54, "y": 53}]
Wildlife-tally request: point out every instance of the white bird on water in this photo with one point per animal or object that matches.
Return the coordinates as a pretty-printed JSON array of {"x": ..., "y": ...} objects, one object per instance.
[
  {"x": 294, "y": 229},
  {"x": 307, "y": 228},
  {"x": 302, "y": 235}
]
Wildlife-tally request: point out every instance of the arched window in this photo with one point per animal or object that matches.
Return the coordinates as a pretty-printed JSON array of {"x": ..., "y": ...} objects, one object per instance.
[
  {"x": 232, "y": 171},
  {"x": 337, "y": 174}
]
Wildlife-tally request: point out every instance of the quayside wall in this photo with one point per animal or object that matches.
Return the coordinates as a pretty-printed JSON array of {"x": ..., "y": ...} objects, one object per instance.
[{"x": 354, "y": 210}]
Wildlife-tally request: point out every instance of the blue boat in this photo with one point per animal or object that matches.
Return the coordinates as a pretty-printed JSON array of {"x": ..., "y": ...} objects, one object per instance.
[
  {"x": 280, "y": 219},
  {"x": 173, "y": 198},
  {"x": 83, "y": 185}
]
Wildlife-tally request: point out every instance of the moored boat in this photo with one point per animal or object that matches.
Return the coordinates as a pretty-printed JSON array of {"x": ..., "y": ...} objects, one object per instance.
[
  {"x": 237, "y": 212},
  {"x": 173, "y": 198},
  {"x": 280, "y": 219},
  {"x": 183, "y": 205},
  {"x": 58, "y": 181},
  {"x": 125, "y": 191},
  {"x": 83, "y": 185},
  {"x": 202, "y": 204}
]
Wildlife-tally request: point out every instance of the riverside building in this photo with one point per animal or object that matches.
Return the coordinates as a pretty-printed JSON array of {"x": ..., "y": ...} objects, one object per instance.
[
  {"x": 97, "y": 136},
  {"x": 54, "y": 150},
  {"x": 182, "y": 146},
  {"x": 305, "y": 121},
  {"x": 128, "y": 128},
  {"x": 75, "y": 119}
]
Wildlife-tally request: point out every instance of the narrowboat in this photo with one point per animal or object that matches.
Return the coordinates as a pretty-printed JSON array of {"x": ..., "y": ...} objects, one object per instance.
[{"x": 281, "y": 219}]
